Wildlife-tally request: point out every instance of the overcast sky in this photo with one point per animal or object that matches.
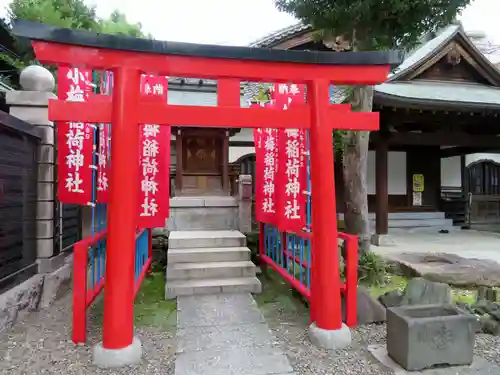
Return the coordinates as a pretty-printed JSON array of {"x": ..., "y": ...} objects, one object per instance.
[{"x": 239, "y": 22}]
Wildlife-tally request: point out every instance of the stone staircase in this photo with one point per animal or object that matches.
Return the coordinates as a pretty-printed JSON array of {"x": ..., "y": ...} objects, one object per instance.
[
  {"x": 434, "y": 221},
  {"x": 209, "y": 262}
]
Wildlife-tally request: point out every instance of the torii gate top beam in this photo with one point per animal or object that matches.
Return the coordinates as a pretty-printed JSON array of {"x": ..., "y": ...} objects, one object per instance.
[{"x": 99, "y": 51}]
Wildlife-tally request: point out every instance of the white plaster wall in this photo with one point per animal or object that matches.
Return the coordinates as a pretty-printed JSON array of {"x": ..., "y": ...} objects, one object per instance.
[
  {"x": 450, "y": 172},
  {"x": 396, "y": 161},
  {"x": 475, "y": 157},
  {"x": 397, "y": 172},
  {"x": 245, "y": 135},
  {"x": 450, "y": 167},
  {"x": 237, "y": 152}
]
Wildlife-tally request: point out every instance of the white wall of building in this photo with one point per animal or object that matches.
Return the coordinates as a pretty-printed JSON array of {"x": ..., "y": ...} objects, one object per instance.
[
  {"x": 236, "y": 152},
  {"x": 450, "y": 172},
  {"x": 475, "y": 157},
  {"x": 397, "y": 172},
  {"x": 396, "y": 161},
  {"x": 450, "y": 167}
]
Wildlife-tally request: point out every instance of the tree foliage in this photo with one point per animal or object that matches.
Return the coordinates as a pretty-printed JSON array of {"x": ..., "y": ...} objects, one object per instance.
[
  {"x": 375, "y": 24},
  {"x": 72, "y": 14},
  {"x": 355, "y": 25},
  {"x": 117, "y": 24}
]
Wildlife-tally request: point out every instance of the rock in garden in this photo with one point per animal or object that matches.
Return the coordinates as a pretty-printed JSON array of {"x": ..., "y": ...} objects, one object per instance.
[
  {"x": 448, "y": 268},
  {"x": 489, "y": 325},
  {"x": 370, "y": 310},
  {"x": 391, "y": 299},
  {"x": 420, "y": 291}
]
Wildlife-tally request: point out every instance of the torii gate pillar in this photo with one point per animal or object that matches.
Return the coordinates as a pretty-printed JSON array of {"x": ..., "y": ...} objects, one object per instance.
[{"x": 119, "y": 346}]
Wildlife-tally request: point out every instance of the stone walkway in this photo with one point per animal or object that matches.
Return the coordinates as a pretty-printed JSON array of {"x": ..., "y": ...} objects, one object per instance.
[
  {"x": 465, "y": 243},
  {"x": 225, "y": 335}
]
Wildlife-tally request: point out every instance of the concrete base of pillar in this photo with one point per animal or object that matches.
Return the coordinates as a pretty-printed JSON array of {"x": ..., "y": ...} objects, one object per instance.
[
  {"x": 112, "y": 358},
  {"x": 382, "y": 240},
  {"x": 331, "y": 340}
]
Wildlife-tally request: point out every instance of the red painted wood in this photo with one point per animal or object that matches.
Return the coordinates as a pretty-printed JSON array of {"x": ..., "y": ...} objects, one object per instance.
[
  {"x": 228, "y": 94},
  {"x": 98, "y": 110},
  {"x": 351, "y": 277},
  {"x": 198, "y": 67},
  {"x": 79, "y": 293},
  {"x": 301, "y": 288},
  {"x": 118, "y": 326},
  {"x": 83, "y": 297},
  {"x": 325, "y": 262}
]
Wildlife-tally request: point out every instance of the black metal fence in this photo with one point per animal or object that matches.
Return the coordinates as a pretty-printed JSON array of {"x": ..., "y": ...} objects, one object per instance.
[
  {"x": 18, "y": 195},
  {"x": 71, "y": 225}
]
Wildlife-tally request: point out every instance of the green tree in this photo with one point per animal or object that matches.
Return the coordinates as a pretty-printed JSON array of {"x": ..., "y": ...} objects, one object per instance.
[
  {"x": 72, "y": 14},
  {"x": 117, "y": 24},
  {"x": 364, "y": 25}
]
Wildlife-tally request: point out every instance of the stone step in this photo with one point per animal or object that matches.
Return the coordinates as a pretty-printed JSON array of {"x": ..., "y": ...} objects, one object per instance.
[
  {"x": 404, "y": 223},
  {"x": 407, "y": 215},
  {"x": 216, "y": 254},
  {"x": 210, "y": 270},
  {"x": 177, "y": 288},
  {"x": 205, "y": 239}
]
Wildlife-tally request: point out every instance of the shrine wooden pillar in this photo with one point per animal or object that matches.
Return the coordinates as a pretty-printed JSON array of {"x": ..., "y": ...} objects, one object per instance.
[
  {"x": 225, "y": 162},
  {"x": 381, "y": 187},
  {"x": 463, "y": 174},
  {"x": 178, "y": 161},
  {"x": 228, "y": 95}
]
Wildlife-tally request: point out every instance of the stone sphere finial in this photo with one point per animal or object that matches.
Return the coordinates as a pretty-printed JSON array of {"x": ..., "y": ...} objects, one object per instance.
[{"x": 37, "y": 78}]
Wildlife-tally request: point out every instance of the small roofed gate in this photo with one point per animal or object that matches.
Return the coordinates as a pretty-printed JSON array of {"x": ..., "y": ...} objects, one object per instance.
[
  {"x": 128, "y": 58},
  {"x": 483, "y": 205}
]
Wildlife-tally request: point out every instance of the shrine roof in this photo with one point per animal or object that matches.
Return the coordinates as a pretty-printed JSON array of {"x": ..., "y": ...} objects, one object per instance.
[
  {"x": 281, "y": 35},
  {"x": 401, "y": 89},
  {"x": 401, "y": 86},
  {"x": 48, "y": 33},
  {"x": 438, "y": 94}
]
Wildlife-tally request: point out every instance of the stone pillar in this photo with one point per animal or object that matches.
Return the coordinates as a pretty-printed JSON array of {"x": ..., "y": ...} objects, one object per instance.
[
  {"x": 31, "y": 105},
  {"x": 245, "y": 203}
]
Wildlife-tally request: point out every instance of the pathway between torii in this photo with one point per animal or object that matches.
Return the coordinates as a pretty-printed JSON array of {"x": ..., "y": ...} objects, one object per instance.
[{"x": 225, "y": 334}]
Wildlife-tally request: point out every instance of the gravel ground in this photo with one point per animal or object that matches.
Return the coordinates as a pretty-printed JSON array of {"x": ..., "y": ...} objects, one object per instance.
[
  {"x": 41, "y": 344},
  {"x": 291, "y": 331}
]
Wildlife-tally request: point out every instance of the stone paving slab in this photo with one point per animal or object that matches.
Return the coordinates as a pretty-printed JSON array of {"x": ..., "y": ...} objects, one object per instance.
[
  {"x": 233, "y": 361},
  {"x": 222, "y": 337},
  {"x": 225, "y": 334},
  {"x": 479, "y": 366},
  {"x": 189, "y": 234},
  {"x": 213, "y": 310}
]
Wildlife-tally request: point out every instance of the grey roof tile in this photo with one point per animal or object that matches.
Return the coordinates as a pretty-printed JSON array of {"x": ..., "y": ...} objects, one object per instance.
[
  {"x": 280, "y": 35},
  {"x": 442, "y": 91}
]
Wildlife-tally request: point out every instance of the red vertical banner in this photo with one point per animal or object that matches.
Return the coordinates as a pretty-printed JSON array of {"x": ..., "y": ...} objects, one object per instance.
[
  {"x": 74, "y": 141},
  {"x": 269, "y": 203},
  {"x": 154, "y": 159},
  {"x": 292, "y": 167},
  {"x": 103, "y": 163}
]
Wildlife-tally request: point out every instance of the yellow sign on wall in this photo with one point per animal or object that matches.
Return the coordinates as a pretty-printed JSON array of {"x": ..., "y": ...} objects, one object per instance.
[{"x": 418, "y": 182}]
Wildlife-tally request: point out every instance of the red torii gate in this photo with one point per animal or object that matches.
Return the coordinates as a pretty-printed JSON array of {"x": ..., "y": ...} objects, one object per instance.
[{"x": 128, "y": 58}]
